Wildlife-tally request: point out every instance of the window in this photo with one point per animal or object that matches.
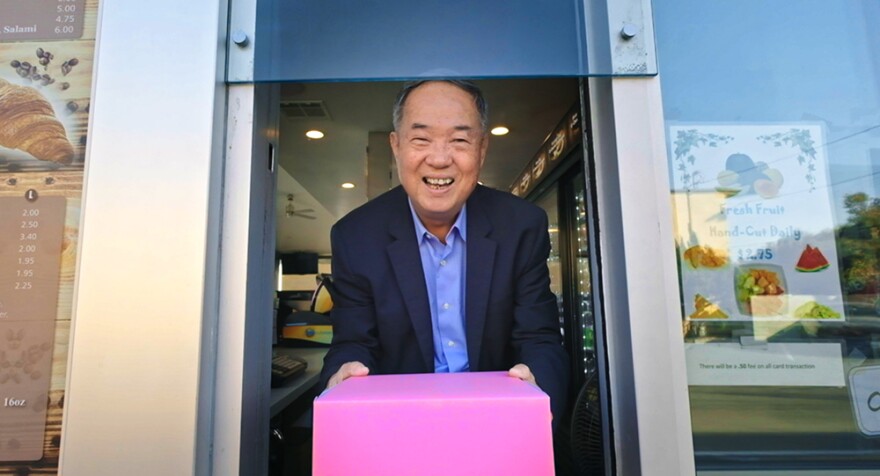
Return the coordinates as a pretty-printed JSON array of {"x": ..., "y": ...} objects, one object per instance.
[{"x": 772, "y": 114}]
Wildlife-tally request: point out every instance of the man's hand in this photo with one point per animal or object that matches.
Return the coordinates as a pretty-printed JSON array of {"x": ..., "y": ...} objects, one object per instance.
[
  {"x": 522, "y": 372},
  {"x": 353, "y": 369}
]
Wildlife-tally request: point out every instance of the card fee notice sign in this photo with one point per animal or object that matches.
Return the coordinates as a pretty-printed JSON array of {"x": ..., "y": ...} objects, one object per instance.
[
  {"x": 767, "y": 364},
  {"x": 41, "y": 19},
  {"x": 31, "y": 230}
]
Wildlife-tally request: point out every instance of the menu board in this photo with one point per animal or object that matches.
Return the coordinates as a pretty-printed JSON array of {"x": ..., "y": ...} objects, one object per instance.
[
  {"x": 30, "y": 262},
  {"x": 754, "y": 224},
  {"x": 46, "y": 66},
  {"x": 30, "y": 257},
  {"x": 41, "y": 19}
]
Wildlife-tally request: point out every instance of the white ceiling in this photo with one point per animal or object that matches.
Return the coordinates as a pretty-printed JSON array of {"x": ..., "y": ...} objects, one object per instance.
[{"x": 313, "y": 170}]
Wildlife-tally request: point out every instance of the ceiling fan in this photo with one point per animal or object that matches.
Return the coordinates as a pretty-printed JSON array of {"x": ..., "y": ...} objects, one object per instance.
[{"x": 291, "y": 211}]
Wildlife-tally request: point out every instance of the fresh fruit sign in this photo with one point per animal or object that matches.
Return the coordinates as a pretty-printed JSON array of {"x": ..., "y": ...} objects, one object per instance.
[{"x": 754, "y": 225}]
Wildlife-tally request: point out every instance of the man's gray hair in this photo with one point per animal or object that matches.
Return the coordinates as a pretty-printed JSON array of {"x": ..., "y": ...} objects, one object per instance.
[{"x": 467, "y": 86}]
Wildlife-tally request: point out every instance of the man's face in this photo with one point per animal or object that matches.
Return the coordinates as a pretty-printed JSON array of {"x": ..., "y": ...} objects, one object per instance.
[{"x": 439, "y": 147}]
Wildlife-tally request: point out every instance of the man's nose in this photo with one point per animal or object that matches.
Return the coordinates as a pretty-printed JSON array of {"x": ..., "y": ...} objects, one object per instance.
[{"x": 440, "y": 154}]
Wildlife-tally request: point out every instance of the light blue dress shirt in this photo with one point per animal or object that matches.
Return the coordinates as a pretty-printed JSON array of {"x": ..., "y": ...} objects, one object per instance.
[{"x": 444, "y": 269}]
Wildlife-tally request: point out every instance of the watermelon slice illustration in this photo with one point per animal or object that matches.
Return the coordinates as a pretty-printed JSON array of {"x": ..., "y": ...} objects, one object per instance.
[{"x": 812, "y": 260}]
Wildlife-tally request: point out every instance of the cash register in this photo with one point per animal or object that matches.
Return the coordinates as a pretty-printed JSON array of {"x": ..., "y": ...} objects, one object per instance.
[{"x": 286, "y": 367}]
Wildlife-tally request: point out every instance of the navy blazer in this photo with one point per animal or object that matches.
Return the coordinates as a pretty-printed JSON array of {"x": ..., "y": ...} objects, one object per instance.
[{"x": 381, "y": 314}]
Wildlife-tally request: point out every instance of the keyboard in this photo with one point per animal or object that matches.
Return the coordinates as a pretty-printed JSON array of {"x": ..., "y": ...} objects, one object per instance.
[{"x": 285, "y": 367}]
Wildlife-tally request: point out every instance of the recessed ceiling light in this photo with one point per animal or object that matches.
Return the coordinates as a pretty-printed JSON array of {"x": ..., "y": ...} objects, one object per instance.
[
  {"x": 500, "y": 131},
  {"x": 348, "y": 185},
  {"x": 315, "y": 134}
]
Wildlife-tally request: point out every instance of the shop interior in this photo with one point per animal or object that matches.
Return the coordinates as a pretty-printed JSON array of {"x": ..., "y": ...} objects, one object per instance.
[{"x": 333, "y": 155}]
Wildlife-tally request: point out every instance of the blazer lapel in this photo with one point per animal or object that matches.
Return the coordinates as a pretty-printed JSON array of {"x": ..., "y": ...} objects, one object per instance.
[
  {"x": 407, "y": 263},
  {"x": 480, "y": 263}
]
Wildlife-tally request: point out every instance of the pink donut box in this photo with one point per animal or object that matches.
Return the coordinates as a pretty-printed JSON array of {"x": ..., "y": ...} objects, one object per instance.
[{"x": 477, "y": 423}]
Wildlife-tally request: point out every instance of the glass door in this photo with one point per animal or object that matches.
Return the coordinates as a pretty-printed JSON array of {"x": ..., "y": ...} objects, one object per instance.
[{"x": 579, "y": 444}]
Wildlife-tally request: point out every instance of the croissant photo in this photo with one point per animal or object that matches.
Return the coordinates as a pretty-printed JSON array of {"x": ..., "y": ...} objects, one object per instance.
[{"x": 28, "y": 123}]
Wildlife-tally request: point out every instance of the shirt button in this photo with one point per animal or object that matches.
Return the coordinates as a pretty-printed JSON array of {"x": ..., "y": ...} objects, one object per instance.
[
  {"x": 442, "y": 262},
  {"x": 445, "y": 305},
  {"x": 451, "y": 344}
]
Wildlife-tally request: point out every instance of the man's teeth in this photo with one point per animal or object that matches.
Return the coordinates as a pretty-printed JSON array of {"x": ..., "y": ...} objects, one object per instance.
[{"x": 438, "y": 181}]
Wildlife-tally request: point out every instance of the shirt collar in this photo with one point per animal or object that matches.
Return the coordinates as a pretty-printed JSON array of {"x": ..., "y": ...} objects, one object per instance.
[{"x": 460, "y": 225}]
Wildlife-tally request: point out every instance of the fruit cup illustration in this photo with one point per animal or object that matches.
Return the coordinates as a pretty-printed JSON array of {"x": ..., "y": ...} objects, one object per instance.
[{"x": 760, "y": 290}]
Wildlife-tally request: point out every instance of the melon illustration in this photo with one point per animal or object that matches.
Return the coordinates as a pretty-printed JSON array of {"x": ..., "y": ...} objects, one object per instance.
[
  {"x": 727, "y": 178},
  {"x": 812, "y": 260},
  {"x": 775, "y": 176},
  {"x": 766, "y": 188},
  {"x": 741, "y": 174}
]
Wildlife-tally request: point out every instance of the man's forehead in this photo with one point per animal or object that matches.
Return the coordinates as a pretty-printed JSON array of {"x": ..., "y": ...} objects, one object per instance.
[
  {"x": 428, "y": 93},
  {"x": 430, "y": 114}
]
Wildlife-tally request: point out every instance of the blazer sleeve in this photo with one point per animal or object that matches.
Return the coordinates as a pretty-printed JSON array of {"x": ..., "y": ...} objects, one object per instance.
[
  {"x": 353, "y": 314},
  {"x": 536, "y": 339}
]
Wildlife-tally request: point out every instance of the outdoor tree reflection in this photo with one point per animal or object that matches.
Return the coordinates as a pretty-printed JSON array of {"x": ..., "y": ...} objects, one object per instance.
[{"x": 859, "y": 248}]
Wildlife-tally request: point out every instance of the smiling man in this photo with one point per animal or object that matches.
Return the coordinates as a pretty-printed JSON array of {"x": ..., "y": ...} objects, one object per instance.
[{"x": 442, "y": 274}]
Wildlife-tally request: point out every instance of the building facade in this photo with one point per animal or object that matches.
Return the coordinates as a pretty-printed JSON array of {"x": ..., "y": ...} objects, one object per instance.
[{"x": 732, "y": 157}]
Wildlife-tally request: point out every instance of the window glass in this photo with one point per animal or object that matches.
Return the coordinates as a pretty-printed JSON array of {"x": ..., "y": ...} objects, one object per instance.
[
  {"x": 300, "y": 40},
  {"x": 549, "y": 202},
  {"x": 772, "y": 116},
  {"x": 583, "y": 285}
]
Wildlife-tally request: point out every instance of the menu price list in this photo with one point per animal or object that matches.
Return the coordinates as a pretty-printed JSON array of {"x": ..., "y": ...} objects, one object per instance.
[
  {"x": 41, "y": 19},
  {"x": 31, "y": 232}
]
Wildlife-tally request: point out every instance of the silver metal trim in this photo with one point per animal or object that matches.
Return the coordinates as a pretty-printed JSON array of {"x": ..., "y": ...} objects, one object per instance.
[
  {"x": 140, "y": 367},
  {"x": 242, "y": 42},
  {"x": 639, "y": 276}
]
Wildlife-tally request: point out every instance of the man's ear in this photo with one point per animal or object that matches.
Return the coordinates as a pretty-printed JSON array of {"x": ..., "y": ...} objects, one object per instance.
[
  {"x": 484, "y": 148},
  {"x": 393, "y": 141}
]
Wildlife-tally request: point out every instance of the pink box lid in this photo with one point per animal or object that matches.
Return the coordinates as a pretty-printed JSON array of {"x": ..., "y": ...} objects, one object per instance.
[
  {"x": 463, "y": 424},
  {"x": 446, "y": 387}
]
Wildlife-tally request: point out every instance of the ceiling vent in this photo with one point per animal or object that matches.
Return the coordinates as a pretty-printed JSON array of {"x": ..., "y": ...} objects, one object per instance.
[{"x": 305, "y": 110}]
